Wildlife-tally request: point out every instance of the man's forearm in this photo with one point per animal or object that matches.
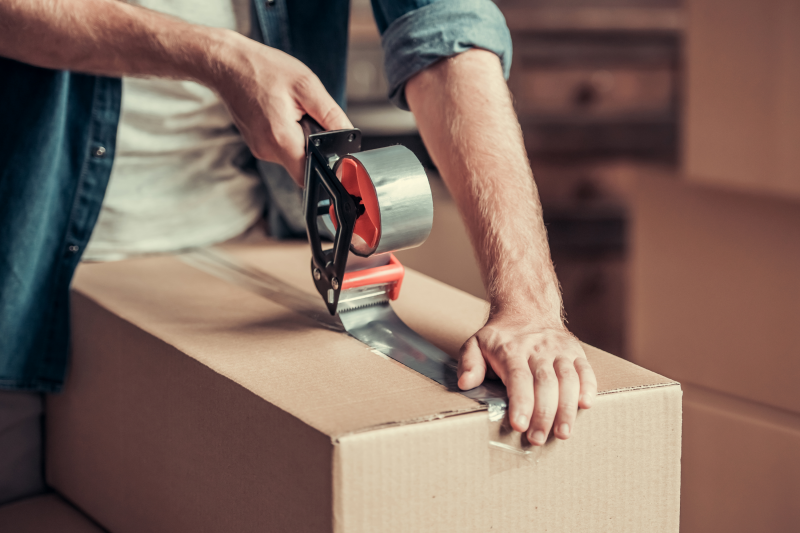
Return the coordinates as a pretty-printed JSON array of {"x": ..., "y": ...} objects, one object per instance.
[
  {"x": 106, "y": 37},
  {"x": 465, "y": 116},
  {"x": 464, "y": 112}
]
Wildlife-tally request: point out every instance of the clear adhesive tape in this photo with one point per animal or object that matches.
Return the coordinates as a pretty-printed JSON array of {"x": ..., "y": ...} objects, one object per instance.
[{"x": 396, "y": 197}]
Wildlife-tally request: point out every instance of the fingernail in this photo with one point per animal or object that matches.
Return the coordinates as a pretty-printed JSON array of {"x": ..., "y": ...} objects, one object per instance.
[
  {"x": 565, "y": 430},
  {"x": 521, "y": 421},
  {"x": 538, "y": 437}
]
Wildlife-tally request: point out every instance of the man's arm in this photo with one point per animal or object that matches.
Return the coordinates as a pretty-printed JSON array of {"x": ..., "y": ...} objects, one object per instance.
[
  {"x": 265, "y": 90},
  {"x": 466, "y": 118}
]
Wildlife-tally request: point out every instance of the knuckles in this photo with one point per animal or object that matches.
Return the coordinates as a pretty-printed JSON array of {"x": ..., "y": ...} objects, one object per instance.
[
  {"x": 518, "y": 374},
  {"x": 306, "y": 83},
  {"x": 565, "y": 370},
  {"x": 543, "y": 374},
  {"x": 543, "y": 413}
]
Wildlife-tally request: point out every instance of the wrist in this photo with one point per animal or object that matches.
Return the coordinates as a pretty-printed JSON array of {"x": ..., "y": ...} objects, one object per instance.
[{"x": 544, "y": 310}]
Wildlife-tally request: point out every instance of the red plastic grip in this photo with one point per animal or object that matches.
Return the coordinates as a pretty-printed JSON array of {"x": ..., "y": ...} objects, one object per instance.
[
  {"x": 391, "y": 273},
  {"x": 357, "y": 182}
]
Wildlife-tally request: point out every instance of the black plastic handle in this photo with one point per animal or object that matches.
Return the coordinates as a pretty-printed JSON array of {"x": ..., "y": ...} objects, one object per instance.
[
  {"x": 322, "y": 150},
  {"x": 310, "y": 126}
]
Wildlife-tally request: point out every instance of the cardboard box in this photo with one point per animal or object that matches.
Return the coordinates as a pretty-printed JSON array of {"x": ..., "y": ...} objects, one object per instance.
[
  {"x": 715, "y": 289},
  {"x": 741, "y": 469},
  {"x": 44, "y": 514},
  {"x": 741, "y": 114},
  {"x": 196, "y": 405}
]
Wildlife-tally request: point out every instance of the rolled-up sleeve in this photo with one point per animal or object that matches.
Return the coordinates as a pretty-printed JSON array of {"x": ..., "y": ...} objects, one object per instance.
[{"x": 417, "y": 34}]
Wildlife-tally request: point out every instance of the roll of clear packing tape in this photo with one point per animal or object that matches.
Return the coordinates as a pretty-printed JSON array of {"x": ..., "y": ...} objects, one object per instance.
[{"x": 393, "y": 198}]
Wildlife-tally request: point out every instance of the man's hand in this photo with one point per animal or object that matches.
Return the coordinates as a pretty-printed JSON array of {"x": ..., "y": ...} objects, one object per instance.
[
  {"x": 544, "y": 369},
  {"x": 465, "y": 116},
  {"x": 266, "y": 91}
]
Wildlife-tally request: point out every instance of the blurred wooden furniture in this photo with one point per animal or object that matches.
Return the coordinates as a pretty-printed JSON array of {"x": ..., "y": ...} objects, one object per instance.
[
  {"x": 596, "y": 79},
  {"x": 596, "y": 86}
]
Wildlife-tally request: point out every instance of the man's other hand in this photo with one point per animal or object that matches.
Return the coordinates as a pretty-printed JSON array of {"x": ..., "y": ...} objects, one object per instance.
[
  {"x": 466, "y": 118},
  {"x": 267, "y": 92},
  {"x": 544, "y": 369}
]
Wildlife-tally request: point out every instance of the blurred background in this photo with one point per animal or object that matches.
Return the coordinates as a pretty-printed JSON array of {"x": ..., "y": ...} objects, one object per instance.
[
  {"x": 664, "y": 138},
  {"x": 596, "y": 87}
]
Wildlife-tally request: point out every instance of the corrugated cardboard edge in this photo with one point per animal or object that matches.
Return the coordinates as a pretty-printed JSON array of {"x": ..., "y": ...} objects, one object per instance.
[
  {"x": 480, "y": 407},
  {"x": 638, "y": 387}
]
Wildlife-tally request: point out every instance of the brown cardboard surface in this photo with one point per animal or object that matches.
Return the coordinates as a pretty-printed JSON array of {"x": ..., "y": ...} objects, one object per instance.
[
  {"x": 195, "y": 405},
  {"x": 427, "y": 305},
  {"x": 716, "y": 291},
  {"x": 147, "y": 439},
  {"x": 44, "y": 514},
  {"x": 441, "y": 476},
  {"x": 741, "y": 113},
  {"x": 255, "y": 343},
  {"x": 741, "y": 468}
]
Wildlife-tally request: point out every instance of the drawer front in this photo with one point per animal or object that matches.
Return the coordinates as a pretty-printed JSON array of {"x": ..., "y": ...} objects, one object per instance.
[{"x": 611, "y": 93}]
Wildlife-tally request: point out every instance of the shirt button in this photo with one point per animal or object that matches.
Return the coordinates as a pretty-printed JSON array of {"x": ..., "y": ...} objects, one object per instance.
[
  {"x": 100, "y": 151},
  {"x": 73, "y": 248}
]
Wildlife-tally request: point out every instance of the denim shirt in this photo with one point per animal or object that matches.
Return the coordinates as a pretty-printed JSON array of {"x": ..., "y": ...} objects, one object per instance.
[{"x": 57, "y": 140}]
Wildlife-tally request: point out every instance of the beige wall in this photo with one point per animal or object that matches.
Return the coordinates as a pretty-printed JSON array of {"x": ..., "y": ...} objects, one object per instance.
[{"x": 741, "y": 125}]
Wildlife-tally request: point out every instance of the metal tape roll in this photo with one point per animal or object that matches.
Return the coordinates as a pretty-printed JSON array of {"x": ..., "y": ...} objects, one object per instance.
[{"x": 403, "y": 197}]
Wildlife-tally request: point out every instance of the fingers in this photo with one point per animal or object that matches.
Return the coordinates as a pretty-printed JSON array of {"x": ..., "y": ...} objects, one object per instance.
[
  {"x": 316, "y": 101},
  {"x": 517, "y": 377},
  {"x": 307, "y": 95},
  {"x": 546, "y": 374},
  {"x": 471, "y": 365},
  {"x": 545, "y": 400},
  {"x": 569, "y": 388},
  {"x": 291, "y": 143},
  {"x": 588, "y": 382}
]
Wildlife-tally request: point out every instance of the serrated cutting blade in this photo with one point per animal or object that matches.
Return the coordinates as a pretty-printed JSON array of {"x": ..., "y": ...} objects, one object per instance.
[{"x": 363, "y": 297}]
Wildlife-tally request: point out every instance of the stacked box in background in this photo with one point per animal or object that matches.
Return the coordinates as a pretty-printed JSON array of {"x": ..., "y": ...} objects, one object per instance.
[
  {"x": 715, "y": 282},
  {"x": 716, "y": 304}
]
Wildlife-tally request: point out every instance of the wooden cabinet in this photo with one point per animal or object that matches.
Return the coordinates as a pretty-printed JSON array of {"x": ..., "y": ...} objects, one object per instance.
[
  {"x": 599, "y": 93},
  {"x": 615, "y": 92}
]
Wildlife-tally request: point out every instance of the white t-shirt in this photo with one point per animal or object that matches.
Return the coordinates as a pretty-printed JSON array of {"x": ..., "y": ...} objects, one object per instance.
[{"x": 177, "y": 182}]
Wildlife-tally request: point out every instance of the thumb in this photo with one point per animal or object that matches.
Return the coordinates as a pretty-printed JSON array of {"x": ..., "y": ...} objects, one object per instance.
[{"x": 471, "y": 365}]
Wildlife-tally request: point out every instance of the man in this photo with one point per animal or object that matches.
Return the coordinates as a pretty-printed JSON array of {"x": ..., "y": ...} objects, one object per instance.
[{"x": 179, "y": 177}]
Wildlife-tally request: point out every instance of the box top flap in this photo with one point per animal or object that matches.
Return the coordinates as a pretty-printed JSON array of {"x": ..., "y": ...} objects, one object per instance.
[{"x": 325, "y": 378}]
